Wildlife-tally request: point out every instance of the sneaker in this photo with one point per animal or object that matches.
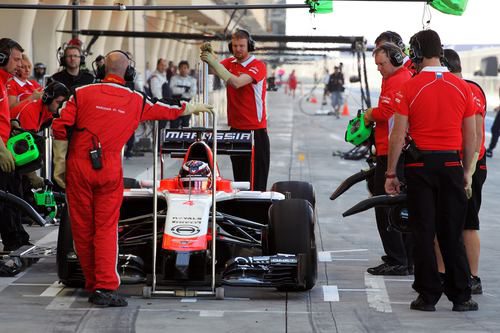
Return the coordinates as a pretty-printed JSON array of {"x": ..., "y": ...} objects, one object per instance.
[
  {"x": 388, "y": 269},
  {"x": 421, "y": 305},
  {"x": 489, "y": 153},
  {"x": 469, "y": 305},
  {"x": 442, "y": 278},
  {"x": 385, "y": 258},
  {"x": 476, "y": 287},
  {"x": 104, "y": 297}
]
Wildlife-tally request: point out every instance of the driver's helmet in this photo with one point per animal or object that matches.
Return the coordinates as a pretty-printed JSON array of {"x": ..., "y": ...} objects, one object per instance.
[{"x": 195, "y": 176}]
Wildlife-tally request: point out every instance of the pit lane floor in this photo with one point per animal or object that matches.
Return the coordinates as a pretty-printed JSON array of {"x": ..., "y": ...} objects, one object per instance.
[{"x": 345, "y": 298}]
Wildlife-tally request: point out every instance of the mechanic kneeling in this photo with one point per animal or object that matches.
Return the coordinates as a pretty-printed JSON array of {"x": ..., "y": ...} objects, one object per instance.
[{"x": 103, "y": 117}]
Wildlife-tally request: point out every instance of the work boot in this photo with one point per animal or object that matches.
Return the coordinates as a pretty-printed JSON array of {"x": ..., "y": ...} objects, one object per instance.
[
  {"x": 103, "y": 297},
  {"x": 421, "y": 305},
  {"x": 469, "y": 305},
  {"x": 388, "y": 269},
  {"x": 476, "y": 287}
]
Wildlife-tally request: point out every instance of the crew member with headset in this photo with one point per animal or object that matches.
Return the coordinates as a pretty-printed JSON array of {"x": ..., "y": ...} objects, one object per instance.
[
  {"x": 245, "y": 77},
  {"x": 11, "y": 230},
  {"x": 435, "y": 108},
  {"x": 389, "y": 61},
  {"x": 34, "y": 115},
  {"x": 72, "y": 75},
  {"x": 103, "y": 116},
  {"x": 478, "y": 169},
  {"x": 395, "y": 38}
]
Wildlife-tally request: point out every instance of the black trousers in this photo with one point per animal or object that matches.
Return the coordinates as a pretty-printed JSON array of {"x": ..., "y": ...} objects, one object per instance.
[
  {"x": 242, "y": 164},
  {"x": 436, "y": 206},
  {"x": 11, "y": 230},
  {"x": 392, "y": 241},
  {"x": 495, "y": 132}
]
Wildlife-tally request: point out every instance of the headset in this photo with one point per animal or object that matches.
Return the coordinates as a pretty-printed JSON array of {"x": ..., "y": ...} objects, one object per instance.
[
  {"x": 394, "y": 54},
  {"x": 251, "y": 42},
  {"x": 129, "y": 72},
  {"x": 62, "y": 55},
  {"x": 415, "y": 51},
  {"x": 6, "y": 45},
  {"x": 54, "y": 90},
  {"x": 393, "y": 37}
]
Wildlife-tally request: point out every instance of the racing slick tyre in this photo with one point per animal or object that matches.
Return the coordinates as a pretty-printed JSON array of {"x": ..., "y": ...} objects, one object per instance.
[
  {"x": 297, "y": 190},
  {"x": 291, "y": 231},
  {"x": 68, "y": 270}
]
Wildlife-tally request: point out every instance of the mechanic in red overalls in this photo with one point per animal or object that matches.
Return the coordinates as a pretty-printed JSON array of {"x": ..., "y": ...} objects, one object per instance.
[
  {"x": 436, "y": 109},
  {"x": 103, "y": 117},
  {"x": 389, "y": 61}
]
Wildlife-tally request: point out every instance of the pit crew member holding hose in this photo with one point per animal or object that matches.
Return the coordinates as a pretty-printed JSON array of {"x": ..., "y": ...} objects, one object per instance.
[
  {"x": 13, "y": 234},
  {"x": 389, "y": 61},
  {"x": 103, "y": 117},
  {"x": 31, "y": 115},
  {"x": 436, "y": 108},
  {"x": 245, "y": 77}
]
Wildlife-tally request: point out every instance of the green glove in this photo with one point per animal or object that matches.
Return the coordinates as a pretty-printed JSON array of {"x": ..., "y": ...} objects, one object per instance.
[
  {"x": 220, "y": 70},
  {"x": 35, "y": 180},
  {"x": 206, "y": 47},
  {"x": 59, "y": 149},
  {"x": 7, "y": 163},
  {"x": 195, "y": 108}
]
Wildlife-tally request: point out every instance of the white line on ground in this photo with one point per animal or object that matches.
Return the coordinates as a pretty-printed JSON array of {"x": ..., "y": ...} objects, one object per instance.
[
  {"x": 51, "y": 237},
  {"x": 6, "y": 281},
  {"x": 336, "y": 137},
  {"x": 189, "y": 300},
  {"x": 324, "y": 256},
  {"x": 31, "y": 284},
  {"x": 398, "y": 280},
  {"x": 378, "y": 300},
  {"x": 361, "y": 289},
  {"x": 211, "y": 313},
  {"x": 61, "y": 303},
  {"x": 348, "y": 259},
  {"x": 53, "y": 290},
  {"x": 330, "y": 293},
  {"x": 352, "y": 250}
]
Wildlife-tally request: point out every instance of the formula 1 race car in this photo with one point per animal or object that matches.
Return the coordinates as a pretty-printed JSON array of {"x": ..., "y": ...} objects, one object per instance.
[{"x": 209, "y": 231}]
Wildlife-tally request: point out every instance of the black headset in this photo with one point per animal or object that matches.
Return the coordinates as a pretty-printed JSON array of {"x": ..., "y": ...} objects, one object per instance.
[
  {"x": 54, "y": 90},
  {"x": 394, "y": 53},
  {"x": 6, "y": 45},
  {"x": 129, "y": 72},
  {"x": 415, "y": 51},
  {"x": 251, "y": 42},
  {"x": 62, "y": 57}
]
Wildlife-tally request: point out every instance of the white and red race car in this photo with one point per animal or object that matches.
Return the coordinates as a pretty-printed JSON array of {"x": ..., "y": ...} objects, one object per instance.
[{"x": 204, "y": 238}]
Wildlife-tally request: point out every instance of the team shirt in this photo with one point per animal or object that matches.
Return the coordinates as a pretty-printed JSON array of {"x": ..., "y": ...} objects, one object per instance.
[
  {"x": 20, "y": 89},
  {"x": 480, "y": 109},
  {"x": 4, "y": 106},
  {"x": 246, "y": 106},
  {"x": 435, "y": 102},
  {"x": 385, "y": 109},
  {"x": 31, "y": 114}
]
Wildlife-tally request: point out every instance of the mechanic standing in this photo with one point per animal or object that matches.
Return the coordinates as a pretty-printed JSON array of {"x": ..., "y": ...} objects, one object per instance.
[
  {"x": 103, "y": 116},
  {"x": 471, "y": 229},
  {"x": 389, "y": 61},
  {"x": 13, "y": 234},
  {"x": 395, "y": 38},
  {"x": 72, "y": 75},
  {"x": 436, "y": 108},
  {"x": 245, "y": 77}
]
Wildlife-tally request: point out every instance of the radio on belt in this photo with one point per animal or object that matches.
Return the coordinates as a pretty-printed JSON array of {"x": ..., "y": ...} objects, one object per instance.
[{"x": 96, "y": 156}]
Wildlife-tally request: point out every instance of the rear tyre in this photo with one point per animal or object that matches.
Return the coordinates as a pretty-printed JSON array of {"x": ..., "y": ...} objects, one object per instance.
[
  {"x": 68, "y": 270},
  {"x": 296, "y": 190},
  {"x": 291, "y": 231}
]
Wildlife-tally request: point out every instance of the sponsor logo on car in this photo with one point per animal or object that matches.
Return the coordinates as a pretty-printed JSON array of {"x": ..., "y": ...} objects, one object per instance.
[{"x": 185, "y": 230}]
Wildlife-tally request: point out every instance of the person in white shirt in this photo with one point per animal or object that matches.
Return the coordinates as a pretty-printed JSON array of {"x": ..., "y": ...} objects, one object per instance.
[{"x": 183, "y": 88}]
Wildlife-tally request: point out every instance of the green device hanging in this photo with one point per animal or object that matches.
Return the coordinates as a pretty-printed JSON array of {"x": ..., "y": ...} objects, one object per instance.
[
  {"x": 23, "y": 148},
  {"x": 357, "y": 131},
  {"x": 45, "y": 200}
]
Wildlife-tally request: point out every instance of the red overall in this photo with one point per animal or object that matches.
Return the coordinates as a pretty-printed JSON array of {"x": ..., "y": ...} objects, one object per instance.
[{"x": 106, "y": 113}]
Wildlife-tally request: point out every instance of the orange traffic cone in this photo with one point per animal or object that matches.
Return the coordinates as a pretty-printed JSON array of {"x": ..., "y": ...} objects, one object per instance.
[
  {"x": 345, "y": 110},
  {"x": 313, "y": 100}
]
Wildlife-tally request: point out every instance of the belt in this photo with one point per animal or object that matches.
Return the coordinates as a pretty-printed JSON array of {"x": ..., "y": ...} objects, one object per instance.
[{"x": 429, "y": 152}]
